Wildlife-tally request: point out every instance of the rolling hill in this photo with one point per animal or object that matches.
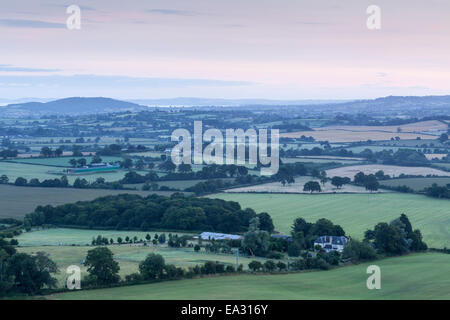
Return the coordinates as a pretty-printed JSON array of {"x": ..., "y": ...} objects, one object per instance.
[{"x": 74, "y": 105}]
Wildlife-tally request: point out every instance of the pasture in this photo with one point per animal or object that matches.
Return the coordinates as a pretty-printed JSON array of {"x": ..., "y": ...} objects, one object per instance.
[
  {"x": 16, "y": 202},
  {"x": 297, "y": 187},
  {"x": 354, "y": 212},
  {"x": 418, "y": 276},
  {"x": 393, "y": 171},
  {"x": 63, "y": 161},
  {"x": 80, "y": 237},
  {"x": 29, "y": 171},
  {"x": 422, "y": 130}
]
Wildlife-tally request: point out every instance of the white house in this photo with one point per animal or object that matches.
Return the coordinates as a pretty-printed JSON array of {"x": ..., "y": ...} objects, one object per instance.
[{"x": 331, "y": 243}]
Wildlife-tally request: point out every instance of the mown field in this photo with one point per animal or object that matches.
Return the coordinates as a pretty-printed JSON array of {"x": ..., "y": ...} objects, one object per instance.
[
  {"x": 29, "y": 171},
  {"x": 129, "y": 257},
  {"x": 68, "y": 237},
  {"x": 419, "y": 276},
  {"x": 63, "y": 161},
  {"x": 416, "y": 184},
  {"x": 393, "y": 171},
  {"x": 297, "y": 187},
  {"x": 16, "y": 202},
  {"x": 354, "y": 212}
]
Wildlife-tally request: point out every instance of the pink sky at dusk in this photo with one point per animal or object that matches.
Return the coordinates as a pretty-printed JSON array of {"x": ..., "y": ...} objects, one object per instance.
[{"x": 283, "y": 49}]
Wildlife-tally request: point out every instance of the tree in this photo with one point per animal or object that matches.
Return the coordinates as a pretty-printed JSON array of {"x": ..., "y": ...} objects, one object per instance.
[
  {"x": 359, "y": 251},
  {"x": 338, "y": 182},
  {"x": 443, "y": 138},
  {"x": 255, "y": 266},
  {"x": 81, "y": 162},
  {"x": 46, "y": 152},
  {"x": 21, "y": 181},
  {"x": 30, "y": 273},
  {"x": 281, "y": 266},
  {"x": 184, "y": 168},
  {"x": 4, "y": 179},
  {"x": 312, "y": 186},
  {"x": 371, "y": 183},
  {"x": 265, "y": 222},
  {"x": 269, "y": 266},
  {"x": 101, "y": 266},
  {"x": 96, "y": 159},
  {"x": 256, "y": 241},
  {"x": 359, "y": 178},
  {"x": 168, "y": 166},
  {"x": 152, "y": 267},
  {"x": 73, "y": 162},
  {"x": 389, "y": 239}
]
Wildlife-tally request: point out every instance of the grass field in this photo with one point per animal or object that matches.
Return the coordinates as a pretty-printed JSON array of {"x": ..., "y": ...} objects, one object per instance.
[
  {"x": 130, "y": 256},
  {"x": 416, "y": 184},
  {"x": 393, "y": 171},
  {"x": 63, "y": 161},
  {"x": 297, "y": 187},
  {"x": 68, "y": 237},
  {"x": 418, "y": 276},
  {"x": 354, "y": 212},
  {"x": 16, "y": 202},
  {"x": 423, "y": 129},
  {"x": 29, "y": 171}
]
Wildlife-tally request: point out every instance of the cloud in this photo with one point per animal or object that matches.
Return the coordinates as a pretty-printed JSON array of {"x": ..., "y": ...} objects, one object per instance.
[
  {"x": 174, "y": 12},
  {"x": 100, "y": 81},
  {"x": 10, "y": 68},
  {"x": 19, "y": 23}
]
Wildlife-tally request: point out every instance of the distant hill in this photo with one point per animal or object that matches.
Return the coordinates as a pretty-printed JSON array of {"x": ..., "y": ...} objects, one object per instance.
[
  {"x": 392, "y": 103},
  {"x": 209, "y": 102},
  {"x": 74, "y": 106}
]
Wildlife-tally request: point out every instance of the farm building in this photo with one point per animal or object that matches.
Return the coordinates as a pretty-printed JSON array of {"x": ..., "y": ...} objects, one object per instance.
[
  {"x": 331, "y": 243},
  {"x": 219, "y": 236}
]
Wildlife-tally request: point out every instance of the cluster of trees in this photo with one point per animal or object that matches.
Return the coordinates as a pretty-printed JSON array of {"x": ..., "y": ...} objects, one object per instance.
[
  {"x": 8, "y": 153},
  {"x": 395, "y": 238},
  {"x": 209, "y": 186},
  {"x": 47, "y": 152},
  {"x": 21, "y": 273},
  {"x": 82, "y": 162},
  {"x": 127, "y": 212},
  {"x": 438, "y": 191},
  {"x": 370, "y": 182},
  {"x": 63, "y": 182}
]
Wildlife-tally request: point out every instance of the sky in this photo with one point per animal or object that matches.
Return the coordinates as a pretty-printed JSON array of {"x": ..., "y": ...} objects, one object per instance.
[{"x": 271, "y": 49}]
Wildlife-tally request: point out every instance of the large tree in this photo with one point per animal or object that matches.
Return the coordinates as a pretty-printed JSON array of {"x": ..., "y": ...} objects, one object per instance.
[
  {"x": 101, "y": 266},
  {"x": 152, "y": 267}
]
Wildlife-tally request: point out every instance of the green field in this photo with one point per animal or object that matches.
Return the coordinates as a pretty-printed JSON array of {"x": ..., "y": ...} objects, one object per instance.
[
  {"x": 16, "y": 202},
  {"x": 68, "y": 237},
  {"x": 354, "y": 212},
  {"x": 419, "y": 276},
  {"x": 417, "y": 184},
  {"x": 29, "y": 171},
  {"x": 129, "y": 257},
  {"x": 63, "y": 161}
]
